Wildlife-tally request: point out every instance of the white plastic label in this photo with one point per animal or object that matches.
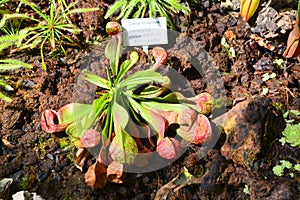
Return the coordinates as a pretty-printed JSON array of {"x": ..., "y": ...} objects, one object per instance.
[{"x": 144, "y": 31}]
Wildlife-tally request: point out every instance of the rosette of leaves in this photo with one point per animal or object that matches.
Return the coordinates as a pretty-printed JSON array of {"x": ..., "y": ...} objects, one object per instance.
[
  {"x": 51, "y": 28},
  {"x": 130, "y": 104},
  {"x": 138, "y": 9}
]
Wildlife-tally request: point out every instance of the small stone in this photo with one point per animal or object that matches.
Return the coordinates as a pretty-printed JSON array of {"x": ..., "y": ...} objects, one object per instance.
[{"x": 5, "y": 185}]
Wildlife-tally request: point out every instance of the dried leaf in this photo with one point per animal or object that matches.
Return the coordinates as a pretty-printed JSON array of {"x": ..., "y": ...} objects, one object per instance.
[
  {"x": 81, "y": 156},
  {"x": 95, "y": 177},
  {"x": 160, "y": 55},
  {"x": 115, "y": 172}
]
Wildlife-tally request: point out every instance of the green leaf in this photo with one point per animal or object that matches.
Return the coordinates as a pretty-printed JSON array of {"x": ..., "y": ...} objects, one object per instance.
[
  {"x": 73, "y": 112},
  {"x": 140, "y": 78},
  {"x": 13, "y": 64},
  {"x": 94, "y": 79},
  {"x": 129, "y": 8},
  {"x": 115, "y": 7},
  {"x": 286, "y": 164},
  {"x": 123, "y": 148},
  {"x": 112, "y": 52},
  {"x": 83, "y": 10},
  {"x": 127, "y": 65},
  {"x": 297, "y": 167},
  {"x": 120, "y": 116},
  {"x": 34, "y": 7},
  {"x": 5, "y": 98},
  {"x": 295, "y": 112},
  {"x": 292, "y": 134},
  {"x": 278, "y": 170},
  {"x": 6, "y": 86},
  {"x": 164, "y": 106},
  {"x": 153, "y": 119}
]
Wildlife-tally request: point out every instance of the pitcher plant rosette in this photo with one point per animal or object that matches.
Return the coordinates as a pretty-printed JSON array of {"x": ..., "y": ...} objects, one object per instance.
[{"x": 131, "y": 116}]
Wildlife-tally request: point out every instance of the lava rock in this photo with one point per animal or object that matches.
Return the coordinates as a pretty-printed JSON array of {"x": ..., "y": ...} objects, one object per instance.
[{"x": 250, "y": 127}]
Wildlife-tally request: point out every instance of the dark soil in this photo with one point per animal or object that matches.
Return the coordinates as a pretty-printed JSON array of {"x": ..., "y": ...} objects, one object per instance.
[{"x": 37, "y": 163}]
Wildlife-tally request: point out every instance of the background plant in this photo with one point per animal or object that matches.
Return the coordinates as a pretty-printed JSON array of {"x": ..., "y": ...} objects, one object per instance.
[
  {"x": 8, "y": 64},
  {"x": 138, "y": 9},
  {"x": 50, "y": 28}
]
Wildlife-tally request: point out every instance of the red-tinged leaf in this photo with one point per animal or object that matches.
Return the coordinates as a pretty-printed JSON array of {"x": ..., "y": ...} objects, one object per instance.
[
  {"x": 50, "y": 122},
  {"x": 171, "y": 117},
  {"x": 160, "y": 55},
  {"x": 158, "y": 123},
  {"x": 204, "y": 102},
  {"x": 113, "y": 28},
  {"x": 293, "y": 47},
  {"x": 168, "y": 148},
  {"x": 198, "y": 132},
  {"x": 81, "y": 156},
  {"x": 123, "y": 148},
  {"x": 90, "y": 138},
  {"x": 95, "y": 177},
  {"x": 73, "y": 111},
  {"x": 186, "y": 119},
  {"x": 115, "y": 172},
  {"x": 120, "y": 115}
]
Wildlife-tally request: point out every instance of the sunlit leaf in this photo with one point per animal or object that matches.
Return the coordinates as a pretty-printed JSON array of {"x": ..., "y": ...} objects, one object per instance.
[
  {"x": 121, "y": 116},
  {"x": 139, "y": 78},
  {"x": 123, "y": 148},
  {"x": 94, "y": 79},
  {"x": 4, "y": 97}
]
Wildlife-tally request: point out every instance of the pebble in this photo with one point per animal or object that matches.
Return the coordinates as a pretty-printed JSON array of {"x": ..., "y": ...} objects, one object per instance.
[
  {"x": 25, "y": 195},
  {"x": 5, "y": 185},
  {"x": 42, "y": 176}
]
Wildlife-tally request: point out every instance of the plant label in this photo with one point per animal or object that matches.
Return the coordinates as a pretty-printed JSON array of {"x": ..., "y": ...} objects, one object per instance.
[{"x": 144, "y": 31}]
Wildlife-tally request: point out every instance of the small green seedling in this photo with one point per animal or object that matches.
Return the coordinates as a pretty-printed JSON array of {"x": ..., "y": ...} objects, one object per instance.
[
  {"x": 229, "y": 49},
  {"x": 291, "y": 135},
  {"x": 278, "y": 170},
  {"x": 246, "y": 189},
  {"x": 279, "y": 62},
  {"x": 266, "y": 76}
]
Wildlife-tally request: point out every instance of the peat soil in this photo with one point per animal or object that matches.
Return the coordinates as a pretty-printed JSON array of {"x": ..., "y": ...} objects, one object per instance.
[{"x": 239, "y": 166}]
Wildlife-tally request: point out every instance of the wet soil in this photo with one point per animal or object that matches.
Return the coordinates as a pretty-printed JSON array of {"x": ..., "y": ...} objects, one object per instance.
[{"x": 245, "y": 152}]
